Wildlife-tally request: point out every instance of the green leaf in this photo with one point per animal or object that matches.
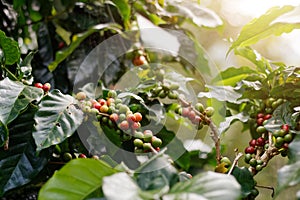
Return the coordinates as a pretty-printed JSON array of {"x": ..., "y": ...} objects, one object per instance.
[
  {"x": 57, "y": 119},
  {"x": 15, "y": 99},
  {"x": 10, "y": 48},
  {"x": 20, "y": 163},
  {"x": 77, "y": 39},
  {"x": 245, "y": 179},
  {"x": 294, "y": 149},
  {"x": 261, "y": 63},
  {"x": 76, "y": 180},
  {"x": 224, "y": 126},
  {"x": 233, "y": 75},
  {"x": 124, "y": 184},
  {"x": 288, "y": 176},
  {"x": 124, "y": 9},
  {"x": 265, "y": 26},
  {"x": 208, "y": 185},
  {"x": 222, "y": 93},
  {"x": 195, "y": 13},
  {"x": 3, "y": 134}
]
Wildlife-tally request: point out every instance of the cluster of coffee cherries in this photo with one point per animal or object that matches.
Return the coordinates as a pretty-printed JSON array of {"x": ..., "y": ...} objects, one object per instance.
[
  {"x": 261, "y": 145},
  {"x": 118, "y": 116},
  {"x": 197, "y": 114},
  {"x": 164, "y": 90},
  {"x": 45, "y": 87}
]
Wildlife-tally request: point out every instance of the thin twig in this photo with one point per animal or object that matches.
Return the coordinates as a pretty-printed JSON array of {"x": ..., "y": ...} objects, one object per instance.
[{"x": 236, "y": 159}]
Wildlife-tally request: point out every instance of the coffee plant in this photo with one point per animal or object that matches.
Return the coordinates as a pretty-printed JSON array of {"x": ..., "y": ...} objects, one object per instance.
[{"x": 111, "y": 100}]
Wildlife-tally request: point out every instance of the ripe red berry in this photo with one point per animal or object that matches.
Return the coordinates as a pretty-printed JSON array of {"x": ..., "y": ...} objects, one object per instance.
[
  {"x": 102, "y": 102},
  {"x": 131, "y": 118},
  {"x": 81, "y": 155},
  {"x": 192, "y": 115},
  {"x": 267, "y": 116},
  {"x": 138, "y": 116},
  {"x": 139, "y": 60},
  {"x": 124, "y": 125},
  {"x": 252, "y": 142},
  {"x": 197, "y": 120},
  {"x": 46, "y": 87},
  {"x": 285, "y": 127},
  {"x": 38, "y": 85},
  {"x": 250, "y": 150},
  {"x": 260, "y": 121},
  {"x": 260, "y": 141},
  {"x": 135, "y": 125},
  {"x": 285, "y": 145},
  {"x": 114, "y": 117},
  {"x": 96, "y": 105},
  {"x": 260, "y": 115}
]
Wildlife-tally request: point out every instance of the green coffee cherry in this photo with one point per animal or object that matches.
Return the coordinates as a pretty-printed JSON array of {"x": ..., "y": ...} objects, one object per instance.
[
  {"x": 199, "y": 107},
  {"x": 138, "y": 143},
  {"x": 209, "y": 111}
]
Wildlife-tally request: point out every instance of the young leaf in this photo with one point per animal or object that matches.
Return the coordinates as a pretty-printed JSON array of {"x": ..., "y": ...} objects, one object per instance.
[
  {"x": 10, "y": 48},
  {"x": 77, "y": 39},
  {"x": 57, "y": 118},
  {"x": 76, "y": 180},
  {"x": 208, "y": 185},
  {"x": 265, "y": 26},
  {"x": 20, "y": 163},
  {"x": 17, "y": 97}
]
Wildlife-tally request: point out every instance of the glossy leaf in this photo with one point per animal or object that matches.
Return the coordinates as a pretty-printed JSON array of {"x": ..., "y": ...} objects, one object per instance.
[
  {"x": 208, "y": 185},
  {"x": 77, "y": 39},
  {"x": 265, "y": 26},
  {"x": 10, "y": 48},
  {"x": 19, "y": 96},
  {"x": 233, "y": 75},
  {"x": 20, "y": 163},
  {"x": 222, "y": 93},
  {"x": 57, "y": 119},
  {"x": 195, "y": 13},
  {"x": 76, "y": 180},
  {"x": 245, "y": 179}
]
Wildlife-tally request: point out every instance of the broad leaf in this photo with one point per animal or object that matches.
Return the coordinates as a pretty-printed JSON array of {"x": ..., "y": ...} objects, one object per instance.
[
  {"x": 20, "y": 163},
  {"x": 222, "y": 93},
  {"x": 124, "y": 9},
  {"x": 77, "y": 39},
  {"x": 10, "y": 48},
  {"x": 208, "y": 185},
  {"x": 294, "y": 149},
  {"x": 264, "y": 26},
  {"x": 224, "y": 126},
  {"x": 245, "y": 179},
  {"x": 124, "y": 184},
  {"x": 14, "y": 99},
  {"x": 76, "y": 180},
  {"x": 3, "y": 134},
  {"x": 56, "y": 120},
  {"x": 288, "y": 176},
  {"x": 195, "y": 13},
  {"x": 233, "y": 75}
]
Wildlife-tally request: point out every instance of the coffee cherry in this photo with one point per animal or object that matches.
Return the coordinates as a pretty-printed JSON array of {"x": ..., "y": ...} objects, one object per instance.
[
  {"x": 124, "y": 125},
  {"x": 268, "y": 116},
  {"x": 192, "y": 115},
  {"x": 130, "y": 118},
  {"x": 148, "y": 135},
  {"x": 172, "y": 95},
  {"x": 139, "y": 60},
  {"x": 114, "y": 117},
  {"x": 156, "y": 142},
  {"x": 104, "y": 109},
  {"x": 123, "y": 108},
  {"x": 122, "y": 117},
  {"x": 102, "y": 102},
  {"x": 252, "y": 142},
  {"x": 279, "y": 141},
  {"x": 261, "y": 129},
  {"x": 209, "y": 111},
  {"x": 135, "y": 125},
  {"x": 185, "y": 112},
  {"x": 248, "y": 157},
  {"x": 260, "y": 121},
  {"x": 288, "y": 137},
  {"x": 96, "y": 105},
  {"x": 46, "y": 87},
  {"x": 112, "y": 94},
  {"x": 38, "y": 85},
  {"x": 260, "y": 141},
  {"x": 285, "y": 127},
  {"x": 138, "y": 134},
  {"x": 138, "y": 117},
  {"x": 227, "y": 161},
  {"x": 67, "y": 156},
  {"x": 258, "y": 167},
  {"x": 82, "y": 155},
  {"x": 253, "y": 162},
  {"x": 138, "y": 143},
  {"x": 260, "y": 115},
  {"x": 110, "y": 101},
  {"x": 80, "y": 96},
  {"x": 147, "y": 146},
  {"x": 250, "y": 150}
]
